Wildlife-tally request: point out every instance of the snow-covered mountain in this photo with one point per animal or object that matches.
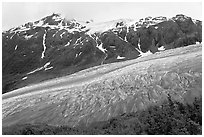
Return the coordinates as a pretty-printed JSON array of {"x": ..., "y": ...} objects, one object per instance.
[{"x": 54, "y": 46}]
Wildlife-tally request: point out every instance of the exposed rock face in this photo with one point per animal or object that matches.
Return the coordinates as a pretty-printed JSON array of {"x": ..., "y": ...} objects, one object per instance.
[{"x": 54, "y": 46}]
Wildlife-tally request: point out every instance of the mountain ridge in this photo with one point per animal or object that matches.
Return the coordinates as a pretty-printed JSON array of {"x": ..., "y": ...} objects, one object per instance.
[
  {"x": 58, "y": 18},
  {"x": 53, "y": 46}
]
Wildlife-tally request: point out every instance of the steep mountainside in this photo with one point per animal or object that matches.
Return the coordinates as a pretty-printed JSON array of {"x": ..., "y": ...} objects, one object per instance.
[
  {"x": 53, "y": 46},
  {"x": 109, "y": 90}
]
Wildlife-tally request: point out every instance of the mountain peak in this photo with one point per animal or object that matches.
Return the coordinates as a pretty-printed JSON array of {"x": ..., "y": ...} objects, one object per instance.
[
  {"x": 56, "y": 14},
  {"x": 181, "y": 17},
  {"x": 146, "y": 22},
  {"x": 53, "y": 19}
]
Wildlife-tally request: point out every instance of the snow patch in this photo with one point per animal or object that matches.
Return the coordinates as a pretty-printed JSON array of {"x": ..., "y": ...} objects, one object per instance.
[
  {"x": 40, "y": 23},
  {"x": 195, "y": 21},
  {"x": 126, "y": 38},
  {"x": 48, "y": 68},
  {"x": 123, "y": 39},
  {"x": 119, "y": 57},
  {"x": 47, "y": 64},
  {"x": 60, "y": 24},
  {"x": 101, "y": 48},
  {"x": 135, "y": 28},
  {"x": 38, "y": 69},
  {"x": 12, "y": 35},
  {"x": 79, "y": 53},
  {"x": 62, "y": 34},
  {"x": 72, "y": 30},
  {"x": 56, "y": 18},
  {"x": 88, "y": 33},
  {"x": 139, "y": 46},
  {"x": 105, "y": 26},
  {"x": 21, "y": 29},
  {"x": 68, "y": 43},
  {"x": 28, "y": 37},
  {"x": 24, "y": 78},
  {"x": 16, "y": 47},
  {"x": 78, "y": 40},
  {"x": 54, "y": 34},
  {"x": 44, "y": 47},
  {"x": 161, "y": 48},
  {"x": 52, "y": 26},
  {"x": 112, "y": 47},
  {"x": 142, "y": 54},
  {"x": 149, "y": 21}
]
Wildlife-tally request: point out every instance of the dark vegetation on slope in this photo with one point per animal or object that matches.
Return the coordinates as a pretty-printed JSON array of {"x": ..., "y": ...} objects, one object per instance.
[{"x": 169, "y": 118}]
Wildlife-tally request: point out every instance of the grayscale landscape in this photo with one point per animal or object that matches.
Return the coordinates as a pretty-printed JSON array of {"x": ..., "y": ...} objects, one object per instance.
[{"x": 123, "y": 76}]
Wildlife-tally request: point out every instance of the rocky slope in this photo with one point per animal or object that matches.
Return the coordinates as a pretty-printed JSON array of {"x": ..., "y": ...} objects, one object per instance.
[
  {"x": 53, "y": 46},
  {"x": 122, "y": 87}
]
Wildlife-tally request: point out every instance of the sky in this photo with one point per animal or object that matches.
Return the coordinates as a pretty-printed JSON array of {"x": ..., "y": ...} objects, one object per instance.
[{"x": 18, "y": 13}]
